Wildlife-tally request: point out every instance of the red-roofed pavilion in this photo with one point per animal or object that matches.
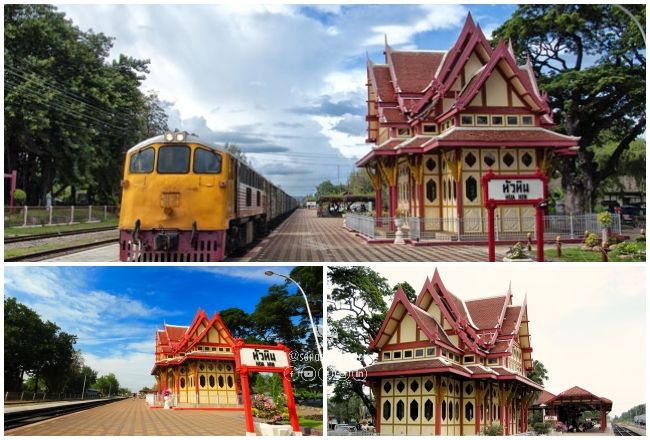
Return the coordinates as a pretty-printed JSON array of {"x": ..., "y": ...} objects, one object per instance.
[
  {"x": 439, "y": 120},
  {"x": 569, "y": 405}
]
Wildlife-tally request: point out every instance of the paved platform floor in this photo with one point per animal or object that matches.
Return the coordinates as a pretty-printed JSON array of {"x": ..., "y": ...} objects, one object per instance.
[
  {"x": 306, "y": 237},
  {"x": 134, "y": 417}
]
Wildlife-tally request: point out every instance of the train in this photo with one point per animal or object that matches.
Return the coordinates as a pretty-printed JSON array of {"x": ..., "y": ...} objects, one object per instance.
[{"x": 185, "y": 200}]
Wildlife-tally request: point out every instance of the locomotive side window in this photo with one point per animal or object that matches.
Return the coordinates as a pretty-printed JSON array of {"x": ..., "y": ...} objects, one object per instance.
[
  {"x": 206, "y": 162},
  {"x": 142, "y": 161},
  {"x": 174, "y": 159}
]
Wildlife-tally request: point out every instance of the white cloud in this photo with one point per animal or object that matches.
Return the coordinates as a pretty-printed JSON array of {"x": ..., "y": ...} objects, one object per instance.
[
  {"x": 435, "y": 17},
  {"x": 255, "y": 273},
  {"x": 131, "y": 369}
]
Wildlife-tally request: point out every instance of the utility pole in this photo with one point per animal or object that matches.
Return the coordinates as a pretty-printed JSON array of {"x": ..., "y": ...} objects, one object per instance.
[{"x": 83, "y": 390}]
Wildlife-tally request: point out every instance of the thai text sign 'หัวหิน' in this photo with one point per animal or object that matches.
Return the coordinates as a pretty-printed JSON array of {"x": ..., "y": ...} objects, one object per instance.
[
  {"x": 264, "y": 357},
  {"x": 515, "y": 189}
]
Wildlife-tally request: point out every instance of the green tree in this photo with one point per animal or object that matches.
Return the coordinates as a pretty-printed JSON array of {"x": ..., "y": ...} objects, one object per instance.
[
  {"x": 359, "y": 183},
  {"x": 357, "y": 300},
  {"x": 239, "y": 324},
  {"x": 539, "y": 373},
  {"x": 408, "y": 290},
  {"x": 107, "y": 384},
  {"x": 34, "y": 348},
  {"x": 156, "y": 121},
  {"x": 235, "y": 151},
  {"x": 69, "y": 113},
  {"x": 587, "y": 98}
]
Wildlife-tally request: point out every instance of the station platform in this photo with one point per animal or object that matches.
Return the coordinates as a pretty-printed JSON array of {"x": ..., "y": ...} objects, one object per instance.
[
  {"x": 305, "y": 237},
  {"x": 134, "y": 417}
]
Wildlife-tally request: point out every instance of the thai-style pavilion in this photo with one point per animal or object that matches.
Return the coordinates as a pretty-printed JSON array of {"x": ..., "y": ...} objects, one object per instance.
[
  {"x": 440, "y": 119},
  {"x": 451, "y": 367},
  {"x": 569, "y": 405},
  {"x": 197, "y": 362}
]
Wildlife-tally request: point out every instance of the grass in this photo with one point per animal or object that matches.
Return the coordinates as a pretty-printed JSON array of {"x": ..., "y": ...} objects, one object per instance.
[
  {"x": 307, "y": 423},
  {"x": 17, "y": 231},
  {"x": 576, "y": 254},
  {"x": 20, "y": 251}
]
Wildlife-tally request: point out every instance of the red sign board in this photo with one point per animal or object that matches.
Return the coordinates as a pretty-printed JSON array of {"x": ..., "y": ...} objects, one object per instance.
[{"x": 515, "y": 189}]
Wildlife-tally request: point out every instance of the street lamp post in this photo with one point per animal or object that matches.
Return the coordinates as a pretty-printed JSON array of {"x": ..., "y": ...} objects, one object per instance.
[{"x": 311, "y": 320}]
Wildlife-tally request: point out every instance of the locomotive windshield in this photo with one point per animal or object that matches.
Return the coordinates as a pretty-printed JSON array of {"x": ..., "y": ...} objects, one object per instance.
[
  {"x": 142, "y": 161},
  {"x": 173, "y": 159},
  {"x": 206, "y": 161}
]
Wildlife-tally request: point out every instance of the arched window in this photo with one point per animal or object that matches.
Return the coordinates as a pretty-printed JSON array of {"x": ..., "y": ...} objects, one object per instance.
[
  {"x": 451, "y": 410},
  {"x": 432, "y": 190},
  {"x": 202, "y": 381},
  {"x": 182, "y": 383},
  {"x": 230, "y": 382},
  {"x": 220, "y": 381},
  {"x": 444, "y": 410},
  {"x": 211, "y": 381}
]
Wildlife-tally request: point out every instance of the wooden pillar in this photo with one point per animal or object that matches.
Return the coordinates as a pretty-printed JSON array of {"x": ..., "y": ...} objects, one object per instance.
[
  {"x": 291, "y": 403},
  {"x": 603, "y": 419},
  {"x": 375, "y": 179},
  {"x": 196, "y": 384}
]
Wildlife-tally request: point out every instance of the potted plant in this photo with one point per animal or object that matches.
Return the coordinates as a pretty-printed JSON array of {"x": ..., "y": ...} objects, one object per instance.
[
  {"x": 605, "y": 219},
  {"x": 266, "y": 409},
  {"x": 166, "y": 399},
  {"x": 517, "y": 253}
]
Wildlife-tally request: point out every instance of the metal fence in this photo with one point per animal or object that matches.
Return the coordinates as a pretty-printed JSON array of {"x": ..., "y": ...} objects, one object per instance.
[
  {"x": 467, "y": 229},
  {"x": 31, "y": 396},
  {"x": 59, "y": 215}
]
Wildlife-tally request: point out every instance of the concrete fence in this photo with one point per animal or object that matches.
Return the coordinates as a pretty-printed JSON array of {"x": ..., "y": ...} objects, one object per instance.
[{"x": 26, "y": 216}]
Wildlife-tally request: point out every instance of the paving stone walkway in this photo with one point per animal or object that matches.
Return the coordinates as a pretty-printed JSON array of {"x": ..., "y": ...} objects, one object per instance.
[
  {"x": 134, "y": 417},
  {"x": 306, "y": 237}
]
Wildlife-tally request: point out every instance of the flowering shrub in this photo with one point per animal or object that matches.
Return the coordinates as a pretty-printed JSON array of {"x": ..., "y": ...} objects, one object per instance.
[
  {"x": 517, "y": 252},
  {"x": 166, "y": 393},
  {"x": 266, "y": 409}
]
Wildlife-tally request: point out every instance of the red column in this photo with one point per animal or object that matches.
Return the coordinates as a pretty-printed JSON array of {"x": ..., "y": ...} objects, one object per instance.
[
  {"x": 539, "y": 227},
  {"x": 490, "y": 225},
  {"x": 392, "y": 200},
  {"x": 603, "y": 419},
  {"x": 523, "y": 418},
  {"x": 508, "y": 408},
  {"x": 420, "y": 200},
  {"x": 246, "y": 394},
  {"x": 291, "y": 403}
]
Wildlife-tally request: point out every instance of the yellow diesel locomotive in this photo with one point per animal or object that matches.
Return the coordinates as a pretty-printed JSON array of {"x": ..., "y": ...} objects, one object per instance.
[{"x": 185, "y": 200}]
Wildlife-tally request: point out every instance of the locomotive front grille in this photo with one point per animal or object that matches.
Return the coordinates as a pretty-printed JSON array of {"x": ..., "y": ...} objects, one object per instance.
[{"x": 172, "y": 248}]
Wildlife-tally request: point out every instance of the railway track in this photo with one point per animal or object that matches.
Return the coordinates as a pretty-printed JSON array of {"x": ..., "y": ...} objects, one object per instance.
[
  {"x": 24, "y": 238},
  {"x": 36, "y": 256},
  {"x": 622, "y": 430},
  {"x": 20, "y": 418}
]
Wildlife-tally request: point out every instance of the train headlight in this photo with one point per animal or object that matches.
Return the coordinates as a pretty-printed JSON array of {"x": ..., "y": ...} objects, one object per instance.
[
  {"x": 169, "y": 136},
  {"x": 180, "y": 136}
]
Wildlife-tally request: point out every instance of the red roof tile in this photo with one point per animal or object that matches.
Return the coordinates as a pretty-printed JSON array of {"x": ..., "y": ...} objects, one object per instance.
[
  {"x": 393, "y": 115},
  {"x": 416, "y": 142},
  {"x": 521, "y": 137},
  {"x": 162, "y": 336},
  {"x": 485, "y": 312},
  {"x": 432, "y": 325},
  {"x": 385, "y": 88},
  {"x": 510, "y": 320},
  {"x": 422, "y": 366},
  {"x": 390, "y": 145},
  {"x": 501, "y": 346},
  {"x": 543, "y": 398},
  {"x": 415, "y": 70},
  {"x": 175, "y": 333}
]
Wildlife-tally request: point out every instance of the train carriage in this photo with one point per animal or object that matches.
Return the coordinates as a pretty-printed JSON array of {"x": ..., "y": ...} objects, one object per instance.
[{"x": 185, "y": 200}]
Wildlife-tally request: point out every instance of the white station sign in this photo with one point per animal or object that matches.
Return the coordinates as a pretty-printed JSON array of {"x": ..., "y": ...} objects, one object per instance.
[
  {"x": 515, "y": 189},
  {"x": 263, "y": 357}
]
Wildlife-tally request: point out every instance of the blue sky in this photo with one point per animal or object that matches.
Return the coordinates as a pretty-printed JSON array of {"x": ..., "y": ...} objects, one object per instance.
[
  {"x": 115, "y": 311},
  {"x": 286, "y": 83}
]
